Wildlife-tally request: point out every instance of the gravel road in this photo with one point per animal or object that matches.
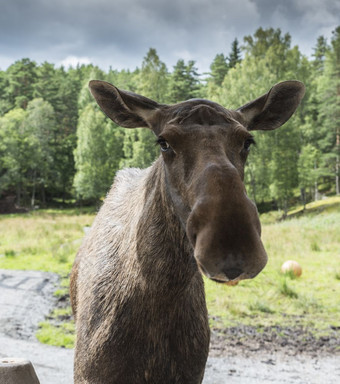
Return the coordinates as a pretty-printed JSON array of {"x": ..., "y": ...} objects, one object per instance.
[{"x": 26, "y": 297}]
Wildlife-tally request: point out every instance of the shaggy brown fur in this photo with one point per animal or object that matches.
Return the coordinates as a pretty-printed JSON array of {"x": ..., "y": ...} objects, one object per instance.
[
  {"x": 136, "y": 287},
  {"x": 133, "y": 331}
]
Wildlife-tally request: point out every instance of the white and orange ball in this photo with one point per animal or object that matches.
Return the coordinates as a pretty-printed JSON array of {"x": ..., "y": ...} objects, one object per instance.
[{"x": 291, "y": 266}]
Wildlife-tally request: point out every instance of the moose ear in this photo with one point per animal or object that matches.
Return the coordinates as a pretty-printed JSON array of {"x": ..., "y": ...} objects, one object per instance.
[
  {"x": 273, "y": 109},
  {"x": 127, "y": 109}
]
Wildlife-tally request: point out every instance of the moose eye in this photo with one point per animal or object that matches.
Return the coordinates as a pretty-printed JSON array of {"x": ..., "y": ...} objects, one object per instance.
[
  {"x": 163, "y": 144},
  {"x": 248, "y": 143}
]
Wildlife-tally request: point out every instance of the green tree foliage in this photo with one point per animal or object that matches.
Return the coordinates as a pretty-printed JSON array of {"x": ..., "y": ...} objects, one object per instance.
[
  {"x": 264, "y": 40},
  {"x": 40, "y": 127},
  {"x": 283, "y": 165},
  {"x": 19, "y": 85},
  {"x": 307, "y": 171},
  {"x": 5, "y": 104},
  {"x": 99, "y": 149},
  {"x": 46, "y": 85},
  {"x": 320, "y": 53},
  {"x": 329, "y": 112},
  {"x": 219, "y": 68},
  {"x": 184, "y": 82},
  {"x": 124, "y": 79},
  {"x": 85, "y": 98},
  {"x": 56, "y": 143},
  {"x": 272, "y": 168},
  {"x": 235, "y": 54},
  {"x": 21, "y": 77},
  {"x": 221, "y": 65},
  {"x": 15, "y": 150},
  {"x": 152, "y": 81},
  {"x": 26, "y": 146},
  {"x": 153, "y": 77}
]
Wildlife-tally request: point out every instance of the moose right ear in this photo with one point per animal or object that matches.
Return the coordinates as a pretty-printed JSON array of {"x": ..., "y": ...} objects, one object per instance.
[
  {"x": 273, "y": 109},
  {"x": 127, "y": 109}
]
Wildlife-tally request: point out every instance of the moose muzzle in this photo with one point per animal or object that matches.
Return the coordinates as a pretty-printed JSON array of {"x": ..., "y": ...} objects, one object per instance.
[{"x": 224, "y": 228}]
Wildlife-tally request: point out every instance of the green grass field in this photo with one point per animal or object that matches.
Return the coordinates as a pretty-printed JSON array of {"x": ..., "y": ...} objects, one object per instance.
[
  {"x": 48, "y": 240},
  {"x": 44, "y": 240}
]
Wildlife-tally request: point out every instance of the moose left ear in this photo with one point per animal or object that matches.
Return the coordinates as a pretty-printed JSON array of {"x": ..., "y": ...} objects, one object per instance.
[
  {"x": 273, "y": 109},
  {"x": 127, "y": 109}
]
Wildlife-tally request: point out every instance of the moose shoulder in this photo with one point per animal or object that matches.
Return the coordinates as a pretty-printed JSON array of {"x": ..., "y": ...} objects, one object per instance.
[{"x": 136, "y": 285}]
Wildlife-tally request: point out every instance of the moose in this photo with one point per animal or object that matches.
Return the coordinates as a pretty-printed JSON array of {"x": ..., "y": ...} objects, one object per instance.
[{"x": 137, "y": 289}]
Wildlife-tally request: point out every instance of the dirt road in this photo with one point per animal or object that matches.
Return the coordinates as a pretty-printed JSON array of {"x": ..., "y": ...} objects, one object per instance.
[{"x": 27, "y": 296}]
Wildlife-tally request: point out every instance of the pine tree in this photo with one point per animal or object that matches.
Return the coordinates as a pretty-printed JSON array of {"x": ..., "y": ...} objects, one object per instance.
[
  {"x": 46, "y": 85},
  {"x": 183, "y": 83},
  {"x": 320, "y": 53},
  {"x": 235, "y": 54},
  {"x": 5, "y": 104},
  {"x": 22, "y": 76},
  {"x": 219, "y": 68},
  {"x": 153, "y": 77}
]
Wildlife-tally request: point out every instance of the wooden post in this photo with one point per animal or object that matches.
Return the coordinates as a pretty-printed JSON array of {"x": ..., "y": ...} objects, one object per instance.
[{"x": 17, "y": 371}]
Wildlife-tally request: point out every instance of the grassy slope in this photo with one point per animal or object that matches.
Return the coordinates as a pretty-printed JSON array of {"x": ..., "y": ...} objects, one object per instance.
[{"x": 48, "y": 239}]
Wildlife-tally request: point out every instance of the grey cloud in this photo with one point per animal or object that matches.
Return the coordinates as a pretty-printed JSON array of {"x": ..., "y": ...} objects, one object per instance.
[{"x": 119, "y": 32}]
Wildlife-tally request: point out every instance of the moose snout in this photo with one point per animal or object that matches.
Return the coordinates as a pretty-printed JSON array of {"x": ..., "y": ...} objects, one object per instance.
[
  {"x": 227, "y": 246},
  {"x": 227, "y": 268}
]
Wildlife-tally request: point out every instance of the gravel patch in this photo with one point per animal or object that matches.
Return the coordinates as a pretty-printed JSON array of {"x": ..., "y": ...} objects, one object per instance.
[{"x": 26, "y": 297}]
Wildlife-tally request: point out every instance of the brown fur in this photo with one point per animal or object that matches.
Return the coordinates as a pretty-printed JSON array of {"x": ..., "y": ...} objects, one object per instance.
[{"x": 136, "y": 288}]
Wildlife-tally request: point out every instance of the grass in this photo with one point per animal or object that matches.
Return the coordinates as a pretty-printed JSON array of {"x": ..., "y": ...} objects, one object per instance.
[
  {"x": 62, "y": 335},
  {"x": 312, "y": 300},
  {"x": 321, "y": 206},
  {"x": 48, "y": 240},
  {"x": 45, "y": 240},
  {"x": 286, "y": 290}
]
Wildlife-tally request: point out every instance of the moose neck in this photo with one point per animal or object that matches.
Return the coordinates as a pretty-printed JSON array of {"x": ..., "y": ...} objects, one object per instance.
[{"x": 164, "y": 253}]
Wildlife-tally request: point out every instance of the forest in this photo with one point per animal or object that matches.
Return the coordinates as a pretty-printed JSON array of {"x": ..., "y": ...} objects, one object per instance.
[{"x": 57, "y": 147}]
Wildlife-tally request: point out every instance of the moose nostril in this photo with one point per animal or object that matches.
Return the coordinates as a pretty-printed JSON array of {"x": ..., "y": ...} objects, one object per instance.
[{"x": 232, "y": 273}]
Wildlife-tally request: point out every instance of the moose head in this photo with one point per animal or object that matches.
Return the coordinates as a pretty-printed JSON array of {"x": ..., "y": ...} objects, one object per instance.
[{"x": 204, "y": 148}]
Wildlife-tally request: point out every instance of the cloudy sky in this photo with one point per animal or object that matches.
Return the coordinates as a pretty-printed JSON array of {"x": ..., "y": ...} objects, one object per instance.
[{"x": 120, "y": 32}]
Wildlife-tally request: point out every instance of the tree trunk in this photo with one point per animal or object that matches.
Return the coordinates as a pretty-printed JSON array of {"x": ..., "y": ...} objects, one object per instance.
[
  {"x": 303, "y": 197},
  {"x": 316, "y": 192},
  {"x": 34, "y": 188},
  {"x": 285, "y": 208},
  {"x": 337, "y": 187},
  {"x": 64, "y": 192},
  {"x": 43, "y": 195},
  {"x": 337, "y": 163},
  {"x": 19, "y": 194}
]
